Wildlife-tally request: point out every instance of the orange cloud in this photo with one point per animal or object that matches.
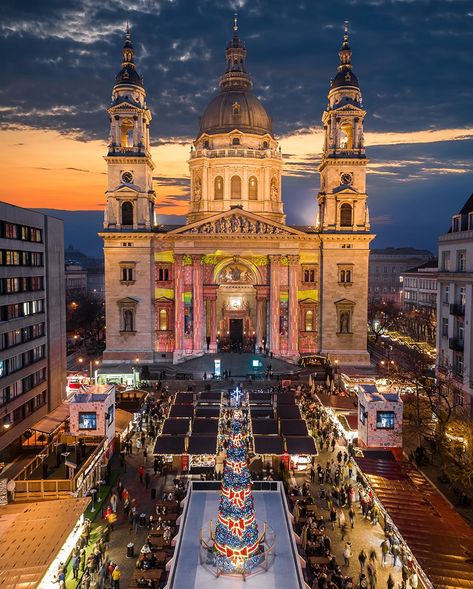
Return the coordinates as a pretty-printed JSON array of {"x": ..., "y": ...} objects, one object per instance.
[{"x": 44, "y": 169}]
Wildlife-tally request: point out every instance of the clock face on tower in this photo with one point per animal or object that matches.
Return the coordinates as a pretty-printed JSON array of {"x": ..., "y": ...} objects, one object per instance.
[
  {"x": 127, "y": 177},
  {"x": 346, "y": 178}
]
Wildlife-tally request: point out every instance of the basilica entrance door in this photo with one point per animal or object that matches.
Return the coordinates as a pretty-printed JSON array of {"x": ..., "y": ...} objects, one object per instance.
[{"x": 236, "y": 334}]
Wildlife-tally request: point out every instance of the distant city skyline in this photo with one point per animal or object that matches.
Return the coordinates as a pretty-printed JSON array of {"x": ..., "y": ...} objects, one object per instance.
[{"x": 410, "y": 57}]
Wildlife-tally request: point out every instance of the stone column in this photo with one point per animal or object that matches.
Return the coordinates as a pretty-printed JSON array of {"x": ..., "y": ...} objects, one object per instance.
[
  {"x": 197, "y": 303},
  {"x": 178, "y": 305},
  {"x": 213, "y": 324},
  {"x": 260, "y": 320},
  {"x": 293, "y": 339},
  {"x": 274, "y": 303}
]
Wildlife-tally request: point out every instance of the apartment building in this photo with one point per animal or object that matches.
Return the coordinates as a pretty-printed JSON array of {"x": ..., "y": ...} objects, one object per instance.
[
  {"x": 455, "y": 305},
  {"x": 32, "y": 321}
]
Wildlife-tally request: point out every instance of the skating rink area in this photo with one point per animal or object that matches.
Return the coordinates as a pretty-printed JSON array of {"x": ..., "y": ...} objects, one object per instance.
[{"x": 202, "y": 506}]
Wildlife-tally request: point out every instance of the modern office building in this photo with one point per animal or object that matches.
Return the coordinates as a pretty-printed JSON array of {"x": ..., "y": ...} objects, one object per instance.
[
  {"x": 455, "y": 305},
  {"x": 32, "y": 321},
  {"x": 385, "y": 269}
]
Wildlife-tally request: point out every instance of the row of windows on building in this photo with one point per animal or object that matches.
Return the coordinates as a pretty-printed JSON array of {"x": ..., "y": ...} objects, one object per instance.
[
  {"x": 446, "y": 261},
  {"x": 15, "y": 363},
  {"x": 22, "y": 412},
  {"x": 17, "y": 310},
  {"x": 459, "y": 295},
  {"x": 21, "y": 284},
  {"x": 20, "y": 232},
  {"x": 10, "y": 339},
  {"x": 20, "y": 258},
  {"x": 420, "y": 297},
  {"x": 163, "y": 274},
  {"x": 421, "y": 283},
  {"x": 20, "y": 387}
]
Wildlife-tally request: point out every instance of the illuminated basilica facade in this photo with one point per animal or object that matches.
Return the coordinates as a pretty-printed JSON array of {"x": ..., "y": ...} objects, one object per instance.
[{"x": 236, "y": 277}]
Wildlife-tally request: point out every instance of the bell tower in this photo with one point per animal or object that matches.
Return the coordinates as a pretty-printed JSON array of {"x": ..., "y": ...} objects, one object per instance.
[
  {"x": 342, "y": 196},
  {"x": 343, "y": 221},
  {"x": 130, "y": 194}
]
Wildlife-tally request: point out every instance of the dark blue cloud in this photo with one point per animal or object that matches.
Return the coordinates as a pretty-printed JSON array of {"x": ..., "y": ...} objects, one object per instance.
[{"x": 413, "y": 59}]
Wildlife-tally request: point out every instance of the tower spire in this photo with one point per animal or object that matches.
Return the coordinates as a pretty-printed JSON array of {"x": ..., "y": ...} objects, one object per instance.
[
  {"x": 128, "y": 75},
  {"x": 235, "y": 75},
  {"x": 345, "y": 50}
]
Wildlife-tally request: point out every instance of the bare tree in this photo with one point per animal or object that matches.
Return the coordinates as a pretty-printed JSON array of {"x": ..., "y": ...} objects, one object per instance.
[{"x": 382, "y": 316}]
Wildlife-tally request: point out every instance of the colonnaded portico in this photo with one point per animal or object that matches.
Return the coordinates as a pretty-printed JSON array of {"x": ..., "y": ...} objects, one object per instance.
[{"x": 235, "y": 276}]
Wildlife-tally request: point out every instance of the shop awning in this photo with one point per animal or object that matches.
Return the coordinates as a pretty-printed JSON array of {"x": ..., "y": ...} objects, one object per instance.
[
  {"x": 184, "y": 399},
  {"x": 285, "y": 399},
  {"x": 169, "y": 445},
  {"x": 207, "y": 411},
  {"x": 262, "y": 413},
  {"x": 202, "y": 445},
  {"x": 176, "y": 426},
  {"x": 269, "y": 445},
  {"x": 205, "y": 426},
  {"x": 264, "y": 426},
  {"x": 301, "y": 445},
  {"x": 53, "y": 420},
  {"x": 293, "y": 427},
  {"x": 288, "y": 412},
  {"x": 122, "y": 420},
  {"x": 210, "y": 396},
  {"x": 36, "y": 532},
  {"x": 181, "y": 411},
  {"x": 439, "y": 538},
  {"x": 256, "y": 398}
]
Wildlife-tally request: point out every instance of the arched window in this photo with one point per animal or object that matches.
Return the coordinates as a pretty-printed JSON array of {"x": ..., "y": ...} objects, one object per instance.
[
  {"x": 218, "y": 188},
  {"x": 128, "y": 320},
  {"x": 235, "y": 187},
  {"x": 126, "y": 132},
  {"x": 346, "y": 136},
  {"x": 346, "y": 215},
  {"x": 253, "y": 188},
  {"x": 127, "y": 213},
  {"x": 236, "y": 141},
  {"x": 163, "y": 320},
  {"x": 309, "y": 321},
  {"x": 265, "y": 145}
]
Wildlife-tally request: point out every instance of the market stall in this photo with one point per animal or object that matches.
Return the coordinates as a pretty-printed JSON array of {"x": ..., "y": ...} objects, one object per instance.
[
  {"x": 301, "y": 449},
  {"x": 293, "y": 427},
  {"x": 181, "y": 411},
  {"x": 288, "y": 412},
  {"x": 205, "y": 426},
  {"x": 171, "y": 448},
  {"x": 264, "y": 426},
  {"x": 202, "y": 452},
  {"x": 176, "y": 426}
]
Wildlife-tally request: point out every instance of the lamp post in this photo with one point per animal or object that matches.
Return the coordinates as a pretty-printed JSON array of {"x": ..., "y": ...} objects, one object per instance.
[{"x": 136, "y": 372}]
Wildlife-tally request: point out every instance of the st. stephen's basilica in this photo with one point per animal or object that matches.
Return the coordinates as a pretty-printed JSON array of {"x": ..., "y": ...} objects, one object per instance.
[{"x": 236, "y": 277}]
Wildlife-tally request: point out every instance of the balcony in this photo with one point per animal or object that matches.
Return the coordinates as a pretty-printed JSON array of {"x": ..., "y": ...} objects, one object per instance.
[
  {"x": 237, "y": 152},
  {"x": 457, "y": 309},
  {"x": 456, "y": 344}
]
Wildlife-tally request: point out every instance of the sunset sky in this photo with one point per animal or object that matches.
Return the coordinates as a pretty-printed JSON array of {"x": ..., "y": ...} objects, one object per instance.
[{"x": 413, "y": 59}]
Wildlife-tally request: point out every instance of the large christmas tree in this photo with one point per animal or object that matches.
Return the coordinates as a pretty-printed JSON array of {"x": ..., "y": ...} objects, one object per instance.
[{"x": 236, "y": 533}]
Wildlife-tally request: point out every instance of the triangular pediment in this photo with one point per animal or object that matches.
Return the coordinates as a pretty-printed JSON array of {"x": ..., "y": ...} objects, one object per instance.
[
  {"x": 236, "y": 221},
  {"x": 127, "y": 188},
  {"x": 347, "y": 107},
  {"x": 345, "y": 188},
  {"x": 127, "y": 301}
]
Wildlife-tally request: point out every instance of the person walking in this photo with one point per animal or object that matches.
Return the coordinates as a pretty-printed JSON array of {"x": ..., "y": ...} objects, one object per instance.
[
  {"x": 395, "y": 552},
  {"x": 390, "y": 582},
  {"x": 113, "y": 502},
  {"x": 75, "y": 565},
  {"x": 384, "y": 552},
  {"x": 372, "y": 575},
  {"x": 362, "y": 558},
  {"x": 141, "y": 472},
  {"x": 116, "y": 574},
  {"x": 347, "y": 553},
  {"x": 147, "y": 479},
  {"x": 145, "y": 454},
  {"x": 333, "y": 517},
  {"x": 414, "y": 580},
  {"x": 351, "y": 516}
]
